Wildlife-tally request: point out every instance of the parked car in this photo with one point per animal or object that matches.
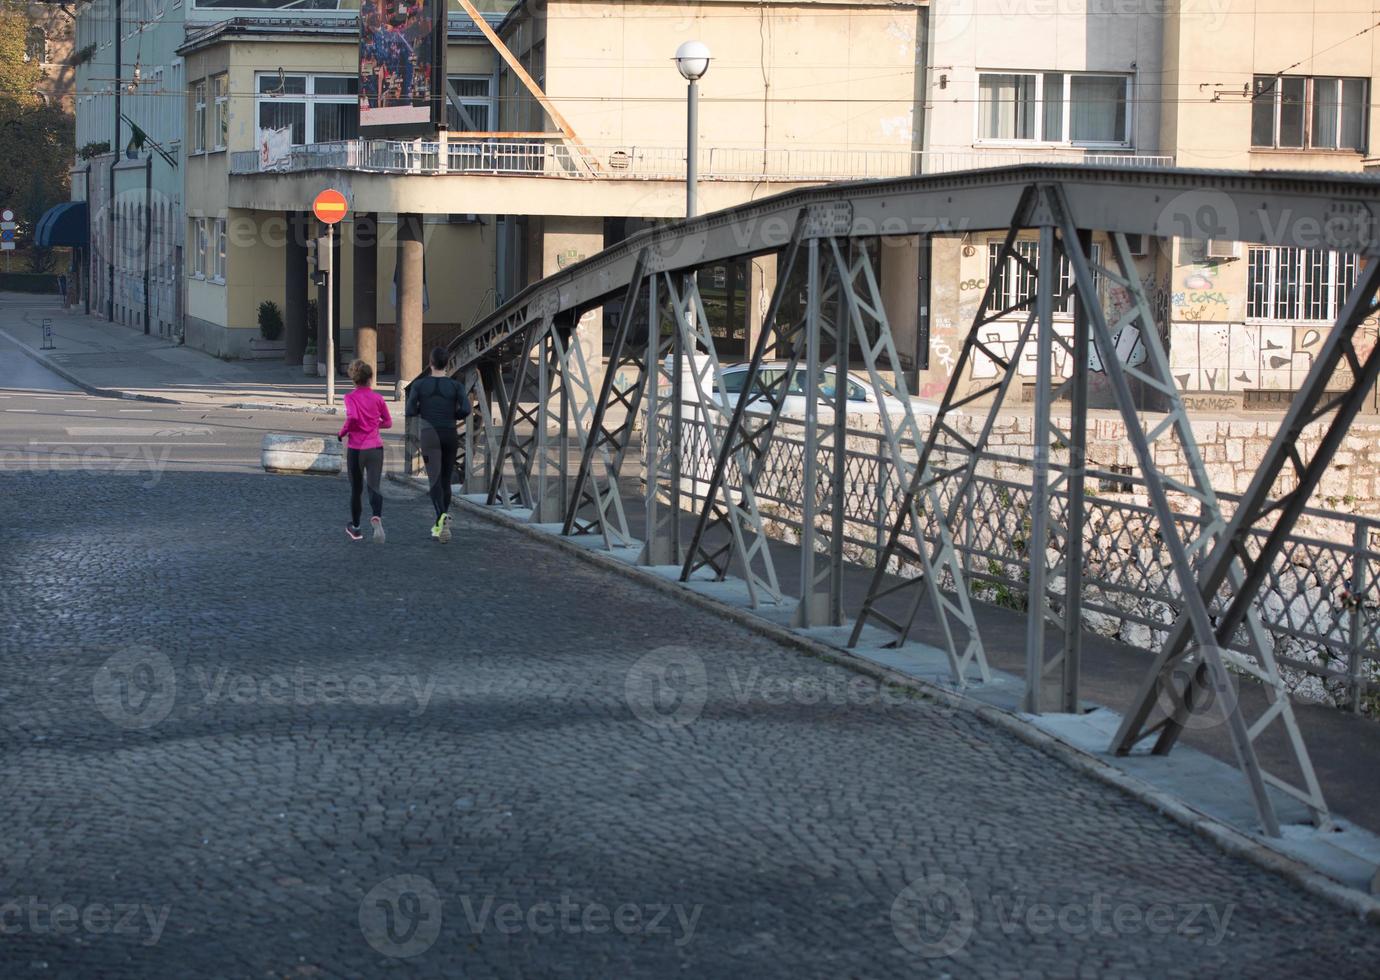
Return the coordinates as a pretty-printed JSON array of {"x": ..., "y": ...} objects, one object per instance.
[{"x": 861, "y": 399}]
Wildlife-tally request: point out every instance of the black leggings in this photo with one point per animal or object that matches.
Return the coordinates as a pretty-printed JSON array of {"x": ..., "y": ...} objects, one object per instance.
[
  {"x": 364, "y": 463},
  {"x": 439, "y": 447}
]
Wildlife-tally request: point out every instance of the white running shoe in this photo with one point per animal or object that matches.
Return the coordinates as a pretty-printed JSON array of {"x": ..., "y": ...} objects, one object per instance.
[
  {"x": 379, "y": 536},
  {"x": 443, "y": 533}
]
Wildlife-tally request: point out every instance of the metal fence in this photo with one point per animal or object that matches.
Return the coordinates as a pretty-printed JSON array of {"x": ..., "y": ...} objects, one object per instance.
[
  {"x": 554, "y": 158},
  {"x": 1320, "y": 603}
]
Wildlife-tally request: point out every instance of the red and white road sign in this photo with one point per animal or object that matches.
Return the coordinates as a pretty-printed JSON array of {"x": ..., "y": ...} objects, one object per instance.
[{"x": 330, "y": 206}]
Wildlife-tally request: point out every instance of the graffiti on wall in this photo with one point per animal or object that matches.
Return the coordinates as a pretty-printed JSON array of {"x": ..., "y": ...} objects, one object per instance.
[
  {"x": 1200, "y": 294},
  {"x": 1238, "y": 356}
]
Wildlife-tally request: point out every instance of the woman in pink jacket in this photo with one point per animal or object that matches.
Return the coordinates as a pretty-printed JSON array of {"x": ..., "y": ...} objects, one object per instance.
[{"x": 365, "y": 414}]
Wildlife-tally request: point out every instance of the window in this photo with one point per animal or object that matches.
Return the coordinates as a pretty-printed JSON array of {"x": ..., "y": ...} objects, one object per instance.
[
  {"x": 317, "y": 108},
  {"x": 218, "y": 250},
  {"x": 1054, "y": 107},
  {"x": 221, "y": 130},
  {"x": 199, "y": 255},
  {"x": 1297, "y": 283},
  {"x": 1016, "y": 284},
  {"x": 199, "y": 118},
  {"x": 1297, "y": 112},
  {"x": 473, "y": 95}
]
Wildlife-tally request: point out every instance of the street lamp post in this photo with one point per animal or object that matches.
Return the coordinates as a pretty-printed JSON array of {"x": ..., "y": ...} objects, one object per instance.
[{"x": 692, "y": 60}]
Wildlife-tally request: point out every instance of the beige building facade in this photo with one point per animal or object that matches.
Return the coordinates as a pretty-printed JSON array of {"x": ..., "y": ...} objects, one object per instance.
[
  {"x": 1246, "y": 85},
  {"x": 798, "y": 92}
]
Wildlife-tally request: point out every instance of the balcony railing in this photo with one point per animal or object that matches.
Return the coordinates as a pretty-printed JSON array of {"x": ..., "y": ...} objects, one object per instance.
[{"x": 560, "y": 160}]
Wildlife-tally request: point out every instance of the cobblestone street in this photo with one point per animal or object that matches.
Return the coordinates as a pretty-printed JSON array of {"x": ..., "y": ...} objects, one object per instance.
[{"x": 234, "y": 743}]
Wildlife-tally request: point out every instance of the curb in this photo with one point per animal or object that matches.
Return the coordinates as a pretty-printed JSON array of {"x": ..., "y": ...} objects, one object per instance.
[
  {"x": 1227, "y": 838},
  {"x": 85, "y": 386},
  {"x": 281, "y": 407}
]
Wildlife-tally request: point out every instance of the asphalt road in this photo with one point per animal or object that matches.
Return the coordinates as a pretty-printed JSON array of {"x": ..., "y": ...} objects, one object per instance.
[
  {"x": 47, "y": 422},
  {"x": 234, "y": 743}
]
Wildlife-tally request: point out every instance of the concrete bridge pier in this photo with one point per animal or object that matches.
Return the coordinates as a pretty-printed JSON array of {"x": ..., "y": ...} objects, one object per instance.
[
  {"x": 365, "y": 242},
  {"x": 295, "y": 288},
  {"x": 410, "y": 257}
]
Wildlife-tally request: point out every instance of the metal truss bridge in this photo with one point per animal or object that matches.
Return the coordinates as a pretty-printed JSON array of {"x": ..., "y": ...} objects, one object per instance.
[{"x": 541, "y": 408}]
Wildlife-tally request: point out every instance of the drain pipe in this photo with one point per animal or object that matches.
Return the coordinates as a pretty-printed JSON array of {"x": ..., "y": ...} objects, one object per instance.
[{"x": 148, "y": 231}]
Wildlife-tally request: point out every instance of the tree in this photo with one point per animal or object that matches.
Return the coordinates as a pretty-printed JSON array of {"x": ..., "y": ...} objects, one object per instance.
[{"x": 36, "y": 139}]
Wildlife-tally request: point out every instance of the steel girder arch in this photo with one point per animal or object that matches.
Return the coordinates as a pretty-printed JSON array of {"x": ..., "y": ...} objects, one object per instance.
[
  {"x": 1227, "y": 566},
  {"x": 908, "y": 541},
  {"x": 1221, "y": 554},
  {"x": 746, "y": 439},
  {"x": 749, "y": 541},
  {"x": 1233, "y": 556},
  {"x": 522, "y": 402},
  {"x": 756, "y": 412},
  {"x": 596, "y": 502}
]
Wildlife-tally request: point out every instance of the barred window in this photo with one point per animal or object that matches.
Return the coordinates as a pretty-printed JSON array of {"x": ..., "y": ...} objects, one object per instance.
[
  {"x": 1016, "y": 284},
  {"x": 1286, "y": 283}
]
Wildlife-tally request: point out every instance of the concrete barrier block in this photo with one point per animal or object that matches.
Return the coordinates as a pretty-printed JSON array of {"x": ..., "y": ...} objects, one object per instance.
[{"x": 302, "y": 454}]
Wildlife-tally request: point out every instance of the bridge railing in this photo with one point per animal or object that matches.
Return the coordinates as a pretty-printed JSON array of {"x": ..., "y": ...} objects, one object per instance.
[
  {"x": 1320, "y": 604},
  {"x": 549, "y": 158}
]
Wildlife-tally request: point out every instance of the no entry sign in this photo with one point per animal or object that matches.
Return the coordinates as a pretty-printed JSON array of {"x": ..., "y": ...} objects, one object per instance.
[{"x": 330, "y": 206}]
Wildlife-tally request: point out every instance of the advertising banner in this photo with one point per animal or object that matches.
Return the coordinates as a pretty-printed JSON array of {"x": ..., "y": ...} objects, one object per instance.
[
  {"x": 275, "y": 149},
  {"x": 402, "y": 68}
]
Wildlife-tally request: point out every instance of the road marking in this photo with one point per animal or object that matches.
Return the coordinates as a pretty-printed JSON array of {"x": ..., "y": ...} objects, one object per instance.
[
  {"x": 77, "y": 411},
  {"x": 21, "y": 410},
  {"x": 161, "y": 431}
]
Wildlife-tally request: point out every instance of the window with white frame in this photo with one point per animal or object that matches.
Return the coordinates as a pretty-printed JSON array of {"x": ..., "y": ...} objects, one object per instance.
[
  {"x": 473, "y": 93},
  {"x": 218, "y": 250},
  {"x": 220, "y": 128},
  {"x": 1016, "y": 282},
  {"x": 200, "y": 249},
  {"x": 199, "y": 117},
  {"x": 1076, "y": 108},
  {"x": 1298, "y": 111},
  {"x": 317, "y": 108},
  {"x": 1286, "y": 283}
]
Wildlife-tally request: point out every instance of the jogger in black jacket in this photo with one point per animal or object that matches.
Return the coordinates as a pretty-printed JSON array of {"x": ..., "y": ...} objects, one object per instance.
[{"x": 439, "y": 401}]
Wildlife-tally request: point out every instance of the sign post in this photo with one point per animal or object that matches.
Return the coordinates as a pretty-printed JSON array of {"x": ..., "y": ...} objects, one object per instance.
[
  {"x": 329, "y": 207},
  {"x": 7, "y": 231}
]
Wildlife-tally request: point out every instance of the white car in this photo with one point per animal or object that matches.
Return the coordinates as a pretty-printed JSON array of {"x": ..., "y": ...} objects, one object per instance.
[{"x": 861, "y": 399}]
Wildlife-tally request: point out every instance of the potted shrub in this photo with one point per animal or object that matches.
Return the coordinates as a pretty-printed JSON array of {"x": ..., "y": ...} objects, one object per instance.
[
  {"x": 309, "y": 359},
  {"x": 269, "y": 341}
]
